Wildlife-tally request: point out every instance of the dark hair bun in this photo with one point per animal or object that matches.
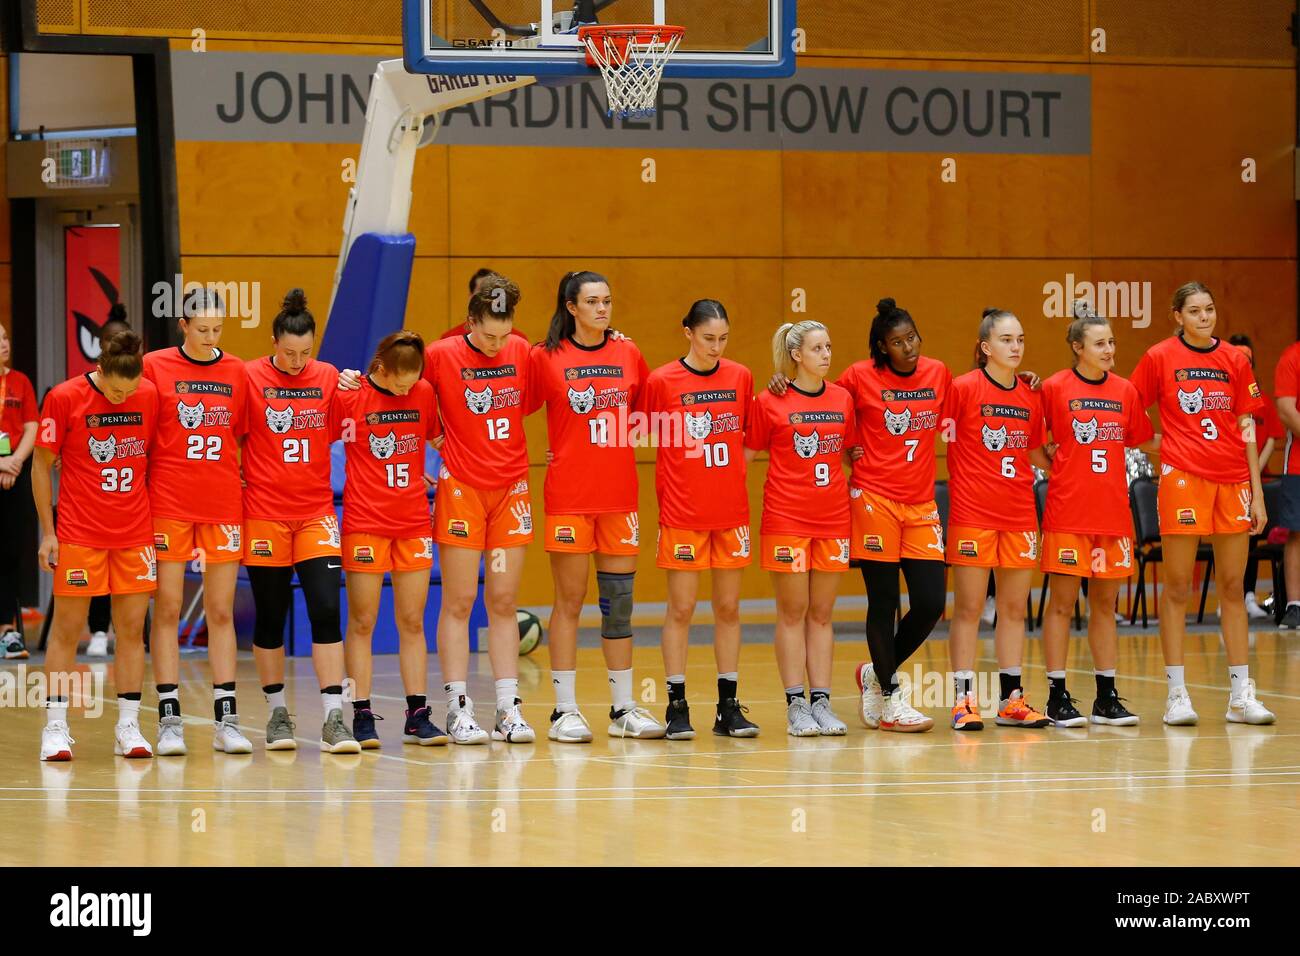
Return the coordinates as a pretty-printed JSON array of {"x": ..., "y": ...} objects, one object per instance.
[
  {"x": 117, "y": 313},
  {"x": 125, "y": 342},
  {"x": 295, "y": 302},
  {"x": 885, "y": 306},
  {"x": 987, "y": 312}
]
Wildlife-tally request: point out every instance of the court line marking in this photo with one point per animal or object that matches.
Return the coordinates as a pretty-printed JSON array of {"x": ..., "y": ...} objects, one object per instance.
[{"x": 679, "y": 794}]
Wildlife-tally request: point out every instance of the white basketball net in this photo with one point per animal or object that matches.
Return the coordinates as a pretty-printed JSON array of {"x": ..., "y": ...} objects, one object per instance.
[{"x": 632, "y": 68}]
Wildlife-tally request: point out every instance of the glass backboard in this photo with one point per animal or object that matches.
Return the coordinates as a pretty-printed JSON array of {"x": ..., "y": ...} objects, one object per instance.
[{"x": 539, "y": 37}]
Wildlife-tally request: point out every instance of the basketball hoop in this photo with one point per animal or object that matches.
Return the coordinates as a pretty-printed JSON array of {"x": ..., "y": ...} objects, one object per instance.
[{"x": 631, "y": 58}]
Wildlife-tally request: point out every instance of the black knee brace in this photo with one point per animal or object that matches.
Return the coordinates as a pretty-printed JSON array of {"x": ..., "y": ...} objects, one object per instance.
[
  {"x": 271, "y": 597},
  {"x": 615, "y": 603},
  {"x": 320, "y": 579}
]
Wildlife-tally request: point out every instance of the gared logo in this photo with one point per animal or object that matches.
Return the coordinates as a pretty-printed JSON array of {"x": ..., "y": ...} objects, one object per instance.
[
  {"x": 968, "y": 548},
  {"x": 1067, "y": 557},
  {"x": 684, "y": 552},
  {"x": 459, "y": 527},
  {"x": 783, "y": 553},
  {"x": 161, "y": 541},
  {"x": 363, "y": 554},
  {"x": 76, "y": 577},
  {"x": 564, "y": 534},
  {"x": 260, "y": 547},
  {"x": 1187, "y": 516},
  {"x": 873, "y": 542},
  {"x": 1253, "y": 388}
]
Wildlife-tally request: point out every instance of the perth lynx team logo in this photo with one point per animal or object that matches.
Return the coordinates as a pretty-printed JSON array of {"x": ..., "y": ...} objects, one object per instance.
[
  {"x": 583, "y": 402},
  {"x": 102, "y": 451},
  {"x": 699, "y": 426},
  {"x": 1191, "y": 402},
  {"x": 383, "y": 448},
  {"x": 191, "y": 416},
  {"x": 994, "y": 439},
  {"x": 805, "y": 446},
  {"x": 898, "y": 424},
  {"x": 480, "y": 403},
  {"x": 1085, "y": 433},
  {"x": 279, "y": 422}
]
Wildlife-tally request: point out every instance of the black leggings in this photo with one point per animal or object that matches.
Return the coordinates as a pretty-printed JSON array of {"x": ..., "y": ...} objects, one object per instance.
[
  {"x": 15, "y": 507},
  {"x": 273, "y": 593},
  {"x": 926, "y": 593}
]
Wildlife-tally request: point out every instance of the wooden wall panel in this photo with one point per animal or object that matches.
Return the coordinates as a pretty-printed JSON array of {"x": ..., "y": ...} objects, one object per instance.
[
  {"x": 288, "y": 198},
  {"x": 1168, "y": 145},
  {"x": 532, "y": 201}
]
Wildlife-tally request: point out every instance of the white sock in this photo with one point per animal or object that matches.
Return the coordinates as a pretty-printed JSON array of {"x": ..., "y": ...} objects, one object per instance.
[
  {"x": 455, "y": 694},
  {"x": 328, "y": 701},
  {"x": 56, "y": 708},
  {"x": 1237, "y": 676},
  {"x": 1293, "y": 603},
  {"x": 566, "y": 696},
  {"x": 1250, "y": 597},
  {"x": 276, "y": 699},
  {"x": 1175, "y": 676},
  {"x": 1106, "y": 673},
  {"x": 620, "y": 689},
  {"x": 507, "y": 692},
  {"x": 1056, "y": 675},
  {"x": 128, "y": 711}
]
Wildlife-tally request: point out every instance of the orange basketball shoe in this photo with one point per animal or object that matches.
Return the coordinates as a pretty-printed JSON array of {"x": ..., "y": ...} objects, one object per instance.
[
  {"x": 966, "y": 714},
  {"x": 1016, "y": 713}
]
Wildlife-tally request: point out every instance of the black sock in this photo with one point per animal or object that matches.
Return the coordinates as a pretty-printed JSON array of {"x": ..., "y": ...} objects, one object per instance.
[
  {"x": 360, "y": 705},
  {"x": 414, "y": 702},
  {"x": 223, "y": 706},
  {"x": 332, "y": 689},
  {"x": 129, "y": 695},
  {"x": 1008, "y": 683},
  {"x": 1105, "y": 685},
  {"x": 676, "y": 691},
  {"x": 272, "y": 689},
  {"x": 167, "y": 706},
  {"x": 1056, "y": 686},
  {"x": 817, "y": 695},
  {"x": 791, "y": 696},
  {"x": 727, "y": 690}
]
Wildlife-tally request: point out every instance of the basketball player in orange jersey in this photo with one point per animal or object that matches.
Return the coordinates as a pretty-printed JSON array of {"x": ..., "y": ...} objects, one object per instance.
[
  {"x": 475, "y": 283},
  {"x": 590, "y": 382},
  {"x": 483, "y": 509},
  {"x": 1092, "y": 415},
  {"x": 897, "y": 396},
  {"x": 806, "y": 525},
  {"x": 196, "y": 497},
  {"x": 102, "y": 427},
  {"x": 1209, "y": 486},
  {"x": 699, "y": 406},
  {"x": 384, "y": 426},
  {"x": 996, "y": 423},
  {"x": 289, "y": 519}
]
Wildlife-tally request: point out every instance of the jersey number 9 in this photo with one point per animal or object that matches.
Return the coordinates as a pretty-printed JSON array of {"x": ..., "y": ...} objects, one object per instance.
[{"x": 823, "y": 473}]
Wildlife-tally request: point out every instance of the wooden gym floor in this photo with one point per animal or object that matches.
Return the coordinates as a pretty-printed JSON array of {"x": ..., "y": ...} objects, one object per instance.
[{"x": 1149, "y": 795}]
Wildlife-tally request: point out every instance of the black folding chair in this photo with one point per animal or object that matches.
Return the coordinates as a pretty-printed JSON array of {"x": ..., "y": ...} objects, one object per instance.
[{"x": 1261, "y": 550}]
